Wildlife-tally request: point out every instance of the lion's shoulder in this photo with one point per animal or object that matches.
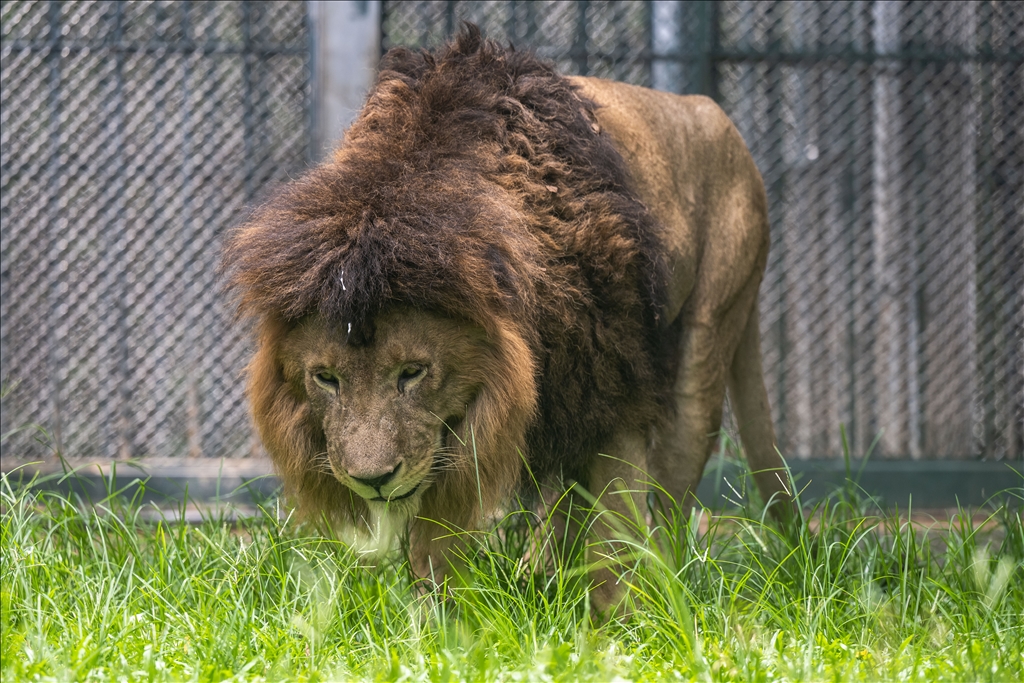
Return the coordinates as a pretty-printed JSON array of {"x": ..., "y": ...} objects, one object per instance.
[{"x": 684, "y": 155}]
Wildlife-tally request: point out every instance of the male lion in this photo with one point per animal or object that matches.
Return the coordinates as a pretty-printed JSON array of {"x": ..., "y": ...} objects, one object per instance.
[{"x": 501, "y": 268}]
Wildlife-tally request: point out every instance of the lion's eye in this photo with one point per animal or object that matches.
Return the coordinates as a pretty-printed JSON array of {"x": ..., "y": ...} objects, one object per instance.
[
  {"x": 326, "y": 380},
  {"x": 409, "y": 375}
]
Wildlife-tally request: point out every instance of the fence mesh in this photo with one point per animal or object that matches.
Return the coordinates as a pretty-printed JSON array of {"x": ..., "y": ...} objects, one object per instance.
[
  {"x": 132, "y": 135},
  {"x": 891, "y": 140},
  {"x": 889, "y": 135}
]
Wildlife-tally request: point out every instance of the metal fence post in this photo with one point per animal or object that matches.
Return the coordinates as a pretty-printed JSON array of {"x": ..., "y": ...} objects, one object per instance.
[
  {"x": 54, "y": 340},
  {"x": 346, "y": 39},
  {"x": 707, "y": 64},
  {"x": 666, "y": 39},
  {"x": 579, "y": 46}
]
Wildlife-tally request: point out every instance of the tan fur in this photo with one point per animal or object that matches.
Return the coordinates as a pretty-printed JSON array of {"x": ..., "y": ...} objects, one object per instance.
[
  {"x": 694, "y": 172},
  {"x": 503, "y": 268}
]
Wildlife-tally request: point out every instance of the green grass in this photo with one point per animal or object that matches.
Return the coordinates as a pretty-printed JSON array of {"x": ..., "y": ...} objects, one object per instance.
[{"x": 102, "y": 592}]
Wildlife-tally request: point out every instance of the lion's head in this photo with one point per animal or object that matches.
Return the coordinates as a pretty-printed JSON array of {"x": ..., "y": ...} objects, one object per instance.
[
  {"x": 408, "y": 423},
  {"x": 468, "y": 287}
]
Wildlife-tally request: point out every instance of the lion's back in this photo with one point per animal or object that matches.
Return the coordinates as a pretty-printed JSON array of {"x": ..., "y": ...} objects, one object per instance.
[{"x": 693, "y": 170}]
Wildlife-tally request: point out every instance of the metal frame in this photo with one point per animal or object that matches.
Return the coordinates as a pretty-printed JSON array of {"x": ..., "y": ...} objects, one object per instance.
[{"x": 243, "y": 483}]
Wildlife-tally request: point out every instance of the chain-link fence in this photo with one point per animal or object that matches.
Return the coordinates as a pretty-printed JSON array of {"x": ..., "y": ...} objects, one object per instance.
[
  {"x": 132, "y": 135},
  {"x": 891, "y": 140},
  {"x": 889, "y": 135}
]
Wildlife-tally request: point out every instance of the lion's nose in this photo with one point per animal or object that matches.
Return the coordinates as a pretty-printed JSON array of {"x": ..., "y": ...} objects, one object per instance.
[{"x": 376, "y": 481}]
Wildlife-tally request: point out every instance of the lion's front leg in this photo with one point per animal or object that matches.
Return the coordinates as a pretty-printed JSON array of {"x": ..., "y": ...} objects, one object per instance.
[
  {"x": 437, "y": 552},
  {"x": 619, "y": 482}
]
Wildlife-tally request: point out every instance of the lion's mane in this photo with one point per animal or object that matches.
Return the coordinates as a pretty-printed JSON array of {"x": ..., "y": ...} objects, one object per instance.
[{"x": 475, "y": 183}]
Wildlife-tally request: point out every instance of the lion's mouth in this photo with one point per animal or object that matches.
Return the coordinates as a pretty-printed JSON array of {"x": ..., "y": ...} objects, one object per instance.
[{"x": 382, "y": 499}]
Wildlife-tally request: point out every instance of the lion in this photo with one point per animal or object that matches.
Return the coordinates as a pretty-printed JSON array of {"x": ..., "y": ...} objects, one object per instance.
[{"x": 504, "y": 273}]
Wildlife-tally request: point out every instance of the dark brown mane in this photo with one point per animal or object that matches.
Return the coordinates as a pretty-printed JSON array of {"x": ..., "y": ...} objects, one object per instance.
[{"x": 475, "y": 183}]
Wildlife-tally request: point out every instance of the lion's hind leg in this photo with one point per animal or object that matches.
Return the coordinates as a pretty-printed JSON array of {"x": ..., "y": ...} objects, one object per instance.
[
  {"x": 686, "y": 440},
  {"x": 749, "y": 401}
]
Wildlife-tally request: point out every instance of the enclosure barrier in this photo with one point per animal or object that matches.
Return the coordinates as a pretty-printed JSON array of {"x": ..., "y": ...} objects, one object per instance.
[
  {"x": 890, "y": 136},
  {"x": 133, "y": 135},
  {"x": 891, "y": 140}
]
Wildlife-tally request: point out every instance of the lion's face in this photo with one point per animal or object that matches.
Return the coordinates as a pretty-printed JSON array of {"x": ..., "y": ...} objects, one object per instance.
[{"x": 391, "y": 411}]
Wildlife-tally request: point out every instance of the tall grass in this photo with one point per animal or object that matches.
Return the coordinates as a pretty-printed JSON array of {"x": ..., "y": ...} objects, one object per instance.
[{"x": 103, "y": 591}]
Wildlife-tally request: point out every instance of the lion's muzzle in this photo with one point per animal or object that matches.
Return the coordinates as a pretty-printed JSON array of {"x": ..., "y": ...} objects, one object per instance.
[
  {"x": 390, "y": 486},
  {"x": 374, "y": 480}
]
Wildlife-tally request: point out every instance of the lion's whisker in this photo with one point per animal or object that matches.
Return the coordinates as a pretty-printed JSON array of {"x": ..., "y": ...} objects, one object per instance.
[{"x": 321, "y": 463}]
